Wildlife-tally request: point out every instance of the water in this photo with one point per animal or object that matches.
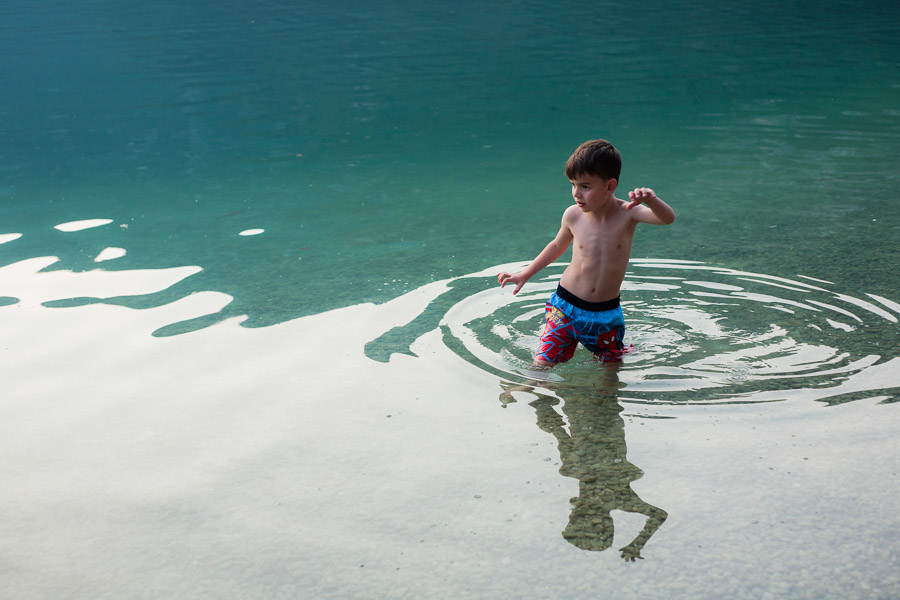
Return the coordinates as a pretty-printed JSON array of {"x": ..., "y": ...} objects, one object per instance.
[{"x": 339, "y": 403}]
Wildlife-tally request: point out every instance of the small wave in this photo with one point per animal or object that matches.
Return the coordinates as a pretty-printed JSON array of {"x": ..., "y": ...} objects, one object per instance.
[{"x": 702, "y": 334}]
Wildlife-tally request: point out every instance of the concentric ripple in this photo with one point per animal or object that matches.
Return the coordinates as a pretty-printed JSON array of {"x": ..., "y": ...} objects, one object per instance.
[{"x": 701, "y": 333}]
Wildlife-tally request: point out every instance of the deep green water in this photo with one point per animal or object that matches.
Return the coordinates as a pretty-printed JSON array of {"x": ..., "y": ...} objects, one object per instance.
[
  {"x": 433, "y": 137},
  {"x": 396, "y": 153}
]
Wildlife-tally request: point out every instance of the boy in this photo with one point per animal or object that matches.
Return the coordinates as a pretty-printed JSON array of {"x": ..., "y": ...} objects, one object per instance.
[{"x": 585, "y": 307}]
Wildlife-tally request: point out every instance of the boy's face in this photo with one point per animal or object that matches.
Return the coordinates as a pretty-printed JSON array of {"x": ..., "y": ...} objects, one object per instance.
[{"x": 592, "y": 191}]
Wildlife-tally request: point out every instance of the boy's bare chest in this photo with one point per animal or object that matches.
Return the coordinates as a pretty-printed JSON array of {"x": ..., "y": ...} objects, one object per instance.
[{"x": 594, "y": 236}]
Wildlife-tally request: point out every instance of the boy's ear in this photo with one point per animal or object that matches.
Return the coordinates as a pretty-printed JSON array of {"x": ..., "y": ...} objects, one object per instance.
[{"x": 612, "y": 184}]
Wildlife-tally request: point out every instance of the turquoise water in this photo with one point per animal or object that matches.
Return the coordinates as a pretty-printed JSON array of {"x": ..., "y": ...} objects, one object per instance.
[
  {"x": 261, "y": 415},
  {"x": 772, "y": 125}
]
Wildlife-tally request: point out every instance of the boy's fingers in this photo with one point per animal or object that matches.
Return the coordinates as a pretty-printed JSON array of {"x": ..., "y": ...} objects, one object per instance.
[{"x": 638, "y": 195}]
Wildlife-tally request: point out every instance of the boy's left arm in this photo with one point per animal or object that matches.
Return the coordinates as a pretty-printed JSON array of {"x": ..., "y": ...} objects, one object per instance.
[{"x": 647, "y": 207}]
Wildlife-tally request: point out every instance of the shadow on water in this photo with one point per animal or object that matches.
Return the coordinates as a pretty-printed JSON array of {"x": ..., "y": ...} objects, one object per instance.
[
  {"x": 400, "y": 339},
  {"x": 590, "y": 434}
]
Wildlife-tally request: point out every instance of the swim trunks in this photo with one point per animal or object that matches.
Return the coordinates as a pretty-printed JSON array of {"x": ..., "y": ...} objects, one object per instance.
[{"x": 599, "y": 326}]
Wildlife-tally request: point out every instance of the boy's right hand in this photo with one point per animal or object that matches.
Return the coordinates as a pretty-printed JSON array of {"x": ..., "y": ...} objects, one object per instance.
[{"x": 516, "y": 278}]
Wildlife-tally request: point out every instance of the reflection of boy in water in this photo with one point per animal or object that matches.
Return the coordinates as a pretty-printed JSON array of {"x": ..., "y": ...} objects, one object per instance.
[
  {"x": 586, "y": 308},
  {"x": 593, "y": 451}
]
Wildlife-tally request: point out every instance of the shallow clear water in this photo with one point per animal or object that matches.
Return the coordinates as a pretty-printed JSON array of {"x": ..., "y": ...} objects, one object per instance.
[{"x": 269, "y": 348}]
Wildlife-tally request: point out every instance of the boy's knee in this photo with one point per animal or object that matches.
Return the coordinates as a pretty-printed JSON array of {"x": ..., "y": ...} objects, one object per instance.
[{"x": 543, "y": 365}]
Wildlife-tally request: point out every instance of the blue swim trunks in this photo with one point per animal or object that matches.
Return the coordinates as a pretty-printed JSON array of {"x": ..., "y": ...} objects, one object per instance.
[{"x": 599, "y": 326}]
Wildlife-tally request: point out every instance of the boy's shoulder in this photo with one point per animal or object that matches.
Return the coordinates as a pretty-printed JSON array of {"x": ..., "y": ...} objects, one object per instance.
[
  {"x": 619, "y": 208},
  {"x": 571, "y": 215},
  {"x": 571, "y": 211}
]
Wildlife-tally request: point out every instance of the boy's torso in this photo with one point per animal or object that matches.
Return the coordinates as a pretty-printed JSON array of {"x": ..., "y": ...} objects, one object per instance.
[{"x": 601, "y": 247}]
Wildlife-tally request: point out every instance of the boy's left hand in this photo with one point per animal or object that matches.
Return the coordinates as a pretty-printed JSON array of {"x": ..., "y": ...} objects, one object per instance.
[
  {"x": 631, "y": 552},
  {"x": 639, "y": 196}
]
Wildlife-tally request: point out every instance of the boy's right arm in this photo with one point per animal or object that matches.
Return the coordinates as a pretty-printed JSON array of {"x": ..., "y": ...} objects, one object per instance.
[{"x": 550, "y": 253}]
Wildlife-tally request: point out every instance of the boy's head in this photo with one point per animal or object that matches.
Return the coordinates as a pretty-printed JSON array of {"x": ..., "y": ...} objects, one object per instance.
[
  {"x": 595, "y": 157},
  {"x": 590, "y": 527}
]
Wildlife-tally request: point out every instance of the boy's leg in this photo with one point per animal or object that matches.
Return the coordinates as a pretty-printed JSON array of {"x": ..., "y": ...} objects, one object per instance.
[
  {"x": 603, "y": 334},
  {"x": 558, "y": 340},
  {"x": 541, "y": 364}
]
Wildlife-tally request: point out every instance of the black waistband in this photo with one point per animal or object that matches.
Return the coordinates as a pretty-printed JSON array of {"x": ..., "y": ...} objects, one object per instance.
[{"x": 574, "y": 300}]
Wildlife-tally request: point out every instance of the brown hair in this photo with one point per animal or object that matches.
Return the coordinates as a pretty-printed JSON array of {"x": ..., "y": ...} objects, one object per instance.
[{"x": 595, "y": 157}]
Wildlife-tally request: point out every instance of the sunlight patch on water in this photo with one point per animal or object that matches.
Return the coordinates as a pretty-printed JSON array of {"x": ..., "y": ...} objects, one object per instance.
[
  {"x": 34, "y": 285},
  {"x": 72, "y": 226},
  {"x": 110, "y": 254},
  {"x": 894, "y": 306}
]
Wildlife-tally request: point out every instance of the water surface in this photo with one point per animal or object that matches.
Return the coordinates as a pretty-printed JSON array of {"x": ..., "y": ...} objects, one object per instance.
[{"x": 253, "y": 346}]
